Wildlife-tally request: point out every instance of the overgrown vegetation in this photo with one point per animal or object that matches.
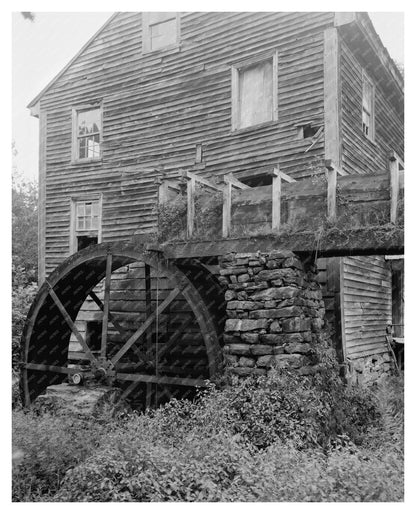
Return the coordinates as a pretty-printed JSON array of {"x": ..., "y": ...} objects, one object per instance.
[
  {"x": 208, "y": 215},
  {"x": 276, "y": 438}
]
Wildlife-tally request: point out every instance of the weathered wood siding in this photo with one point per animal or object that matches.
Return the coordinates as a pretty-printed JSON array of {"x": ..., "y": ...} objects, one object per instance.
[
  {"x": 359, "y": 154},
  {"x": 157, "y": 107},
  {"x": 366, "y": 283}
]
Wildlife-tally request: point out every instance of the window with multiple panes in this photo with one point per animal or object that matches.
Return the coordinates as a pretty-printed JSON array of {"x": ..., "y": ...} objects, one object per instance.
[
  {"x": 254, "y": 91},
  {"x": 368, "y": 107},
  {"x": 160, "y": 30},
  {"x": 85, "y": 223},
  {"x": 87, "y": 215},
  {"x": 87, "y": 133}
]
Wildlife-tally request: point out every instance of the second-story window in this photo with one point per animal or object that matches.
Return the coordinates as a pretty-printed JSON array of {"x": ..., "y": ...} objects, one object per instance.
[
  {"x": 86, "y": 133},
  {"x": 368, "y": 107},
  {"x": 85, "y": 222},
  {"x": 254, "y": 91},
  {"x": 160, "y": 30}
]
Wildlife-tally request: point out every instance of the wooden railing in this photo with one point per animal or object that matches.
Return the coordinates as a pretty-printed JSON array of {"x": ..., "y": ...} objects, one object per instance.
[{"x": 227, "y": 182}]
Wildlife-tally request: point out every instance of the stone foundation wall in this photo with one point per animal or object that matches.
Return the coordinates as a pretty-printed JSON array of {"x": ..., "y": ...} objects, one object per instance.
[
  {"x": 369, "y": 370},
  {"x": 275, "y": 312}
]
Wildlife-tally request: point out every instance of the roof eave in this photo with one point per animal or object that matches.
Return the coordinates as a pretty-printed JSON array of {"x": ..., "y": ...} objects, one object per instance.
[{"x": 33, "y": 105}]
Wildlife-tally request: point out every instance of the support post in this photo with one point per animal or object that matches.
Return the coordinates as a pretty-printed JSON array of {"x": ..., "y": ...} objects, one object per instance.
[
  {"x": 276, "y": 199},
  {"x": 277, "y": 177},
  {"x": 332, "y": 190},
  {"x": 226, "y": 209},
  {"x": 394, "y": 186}
]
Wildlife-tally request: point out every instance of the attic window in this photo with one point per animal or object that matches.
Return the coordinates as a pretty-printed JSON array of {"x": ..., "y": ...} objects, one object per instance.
[
  {"x": 86, "y": 133},
  {"x": 368, "y": 107},
  {"x": 254, "y": 91},
  {"x": 160, "y": 30}
]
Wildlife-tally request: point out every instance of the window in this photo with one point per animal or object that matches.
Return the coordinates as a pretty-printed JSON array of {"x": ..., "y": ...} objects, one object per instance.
[
  {"x": 86, "y": 133},
  {"x": 85, "y": 223},
  {"x": 160, "y": 30},
  {"x": 254, "y": 91},
  {"x": 368, "y": 107}
]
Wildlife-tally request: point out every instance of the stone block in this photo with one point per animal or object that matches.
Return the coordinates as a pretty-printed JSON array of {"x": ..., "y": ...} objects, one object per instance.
[
  {"x": 274, "y": 263},
  {"x": 261, "y": 349},
  {"x": 243, "y": 305},
  {"x": 272, "y": 339},
  {"x": 237, "y": 349},
  {"x": 293, "y": 262},
  {"x": 246, "y": 362},
  {"x": 275, "y": 293},
  {"x": 270, "y": 304},
  {"x": 241, "y": 296},
  {"x": 233, "y": 270},
  {"x": 296, "y": 325},
  {"x": 242, "y": 261},
  {"x": 264, "y": 313},
  {"x": 231, "y": 339},
  {"x": 245, "y": 277},
  {"x": 289, "y": 312},
  {"x": 297, "y": 348},
  {"x": 249, "y": 338},
  {"x": 230, "y": 295},
  {"x": 245, "y": 325},
  {"x": 275, "y": 327}
]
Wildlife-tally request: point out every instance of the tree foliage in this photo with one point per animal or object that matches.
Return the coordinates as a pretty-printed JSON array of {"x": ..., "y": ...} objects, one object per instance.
[{"x": 24, "y": 226}]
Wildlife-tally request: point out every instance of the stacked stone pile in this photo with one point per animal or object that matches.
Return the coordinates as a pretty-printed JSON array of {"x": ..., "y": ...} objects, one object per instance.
[{"x": 274, "y": 312}]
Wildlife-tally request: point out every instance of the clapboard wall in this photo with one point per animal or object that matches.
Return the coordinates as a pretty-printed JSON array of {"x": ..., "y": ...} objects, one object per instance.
[
  {"x": 359, "y": 154},
  {"x": 158, "y": 106},
  {"x": 366, "y": 286}
]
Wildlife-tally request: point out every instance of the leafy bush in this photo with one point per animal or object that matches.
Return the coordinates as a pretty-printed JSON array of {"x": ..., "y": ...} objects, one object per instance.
[
  {"x": 277, "y": 438},
  {"x": 50, "y": 445}
]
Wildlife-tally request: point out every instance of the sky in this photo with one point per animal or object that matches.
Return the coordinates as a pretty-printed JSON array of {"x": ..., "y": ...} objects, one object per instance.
[{"x": 42, "y": 48}]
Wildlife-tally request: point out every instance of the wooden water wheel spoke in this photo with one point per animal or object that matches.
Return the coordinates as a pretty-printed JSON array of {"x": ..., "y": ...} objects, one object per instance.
[
  {"x": 132, "y": 340},
  {"x": 111, "y": 316},
  {"x": 106, "y": 310},
  {"x": 71, "y": 325}
]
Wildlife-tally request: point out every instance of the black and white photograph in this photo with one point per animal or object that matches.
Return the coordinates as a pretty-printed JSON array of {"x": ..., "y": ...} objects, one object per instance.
[{"x": 207, "y": 254}]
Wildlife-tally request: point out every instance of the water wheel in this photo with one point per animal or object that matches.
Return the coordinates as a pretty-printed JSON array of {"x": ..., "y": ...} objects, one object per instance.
[{"x": 149, "y": 360}]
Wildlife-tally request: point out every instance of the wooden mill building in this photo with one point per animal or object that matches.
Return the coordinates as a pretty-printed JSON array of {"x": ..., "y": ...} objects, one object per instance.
[{"x": 263, "y": 104}]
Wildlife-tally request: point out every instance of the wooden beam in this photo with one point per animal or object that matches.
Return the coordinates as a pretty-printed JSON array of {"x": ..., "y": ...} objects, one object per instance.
[
  {"x": 188, "y": 175},
  {"x": 394, "y": 186},
  {"x": 226, "y": 209},
  {"x": 332, "y": 96},
  {"x": 51, "y": 368},
  {"x": 231, "y": 179},
  {"x": 152, "y": 379},
  {"x": 71, "y": 324},
  {"x": 107, "y": 284},
  {"x": 173, "y": 294}
]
